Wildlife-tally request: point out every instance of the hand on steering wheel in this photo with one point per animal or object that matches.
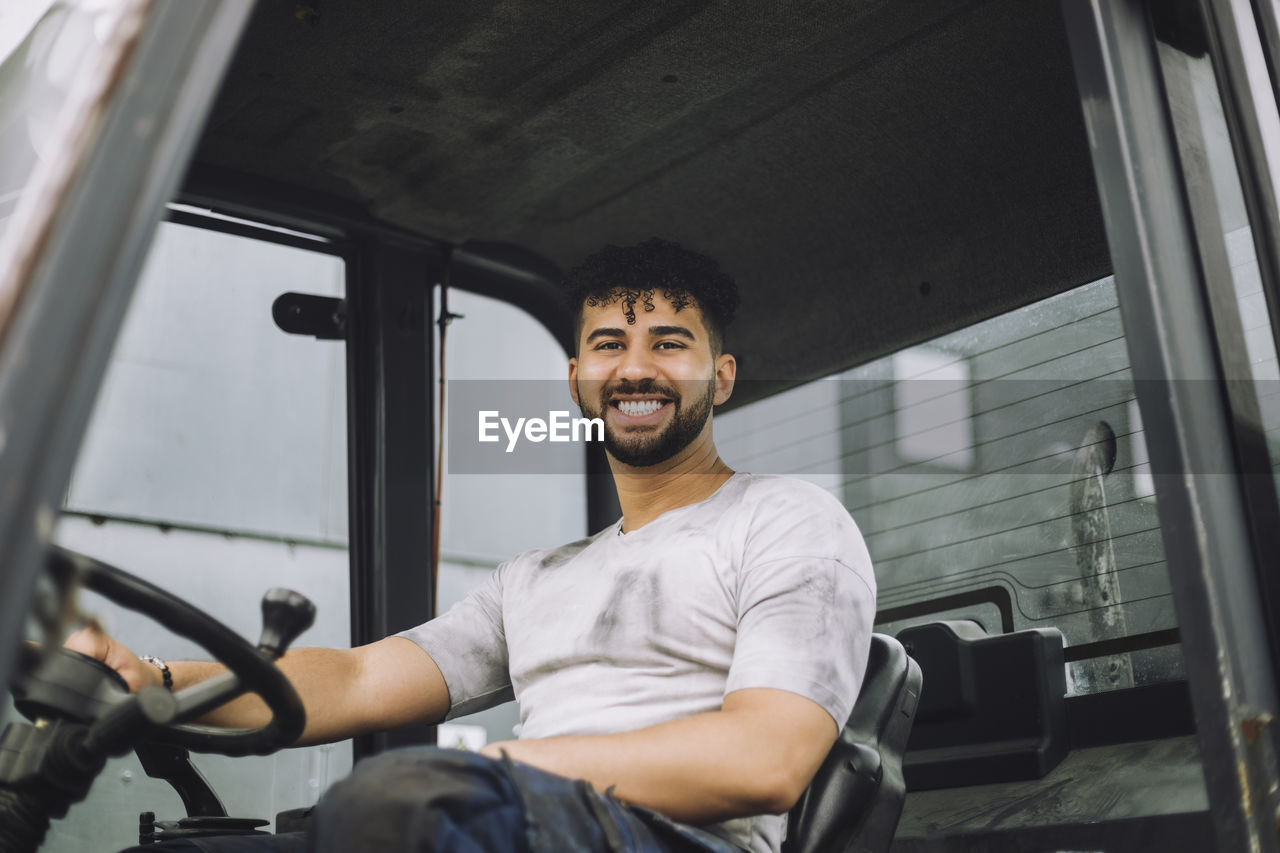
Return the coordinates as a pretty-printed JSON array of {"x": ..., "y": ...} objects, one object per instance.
[
  {"x": 136, "y": 673},
  {"x": 285, "y": 615}
]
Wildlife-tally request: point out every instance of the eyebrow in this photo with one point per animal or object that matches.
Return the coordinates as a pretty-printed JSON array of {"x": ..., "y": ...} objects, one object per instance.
[
  {"x": 678, "y": 331},
  {"x": 654, "y": 332}
]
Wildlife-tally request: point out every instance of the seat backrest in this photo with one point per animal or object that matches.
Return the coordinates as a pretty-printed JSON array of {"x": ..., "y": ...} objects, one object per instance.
[
  {"x": 856, "y": 797},
  {"x": 994, "y": 711}
]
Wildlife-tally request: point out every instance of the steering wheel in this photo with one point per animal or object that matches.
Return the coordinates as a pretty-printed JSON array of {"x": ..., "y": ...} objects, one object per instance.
[
  {"x": 84, "y": 712},
  {"x": 69, "y": 685}
]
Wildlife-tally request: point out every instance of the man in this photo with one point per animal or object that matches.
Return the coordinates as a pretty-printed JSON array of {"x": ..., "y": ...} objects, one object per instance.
[{"x": 681, "y": 674}]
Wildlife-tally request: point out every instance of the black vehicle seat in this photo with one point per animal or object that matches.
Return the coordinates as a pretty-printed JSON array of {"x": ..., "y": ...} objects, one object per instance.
[{"x": 856, "y": 797}]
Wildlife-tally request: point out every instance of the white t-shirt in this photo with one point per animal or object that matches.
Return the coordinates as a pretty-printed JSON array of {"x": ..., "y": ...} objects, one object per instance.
[{"x": 767, "y": 583}]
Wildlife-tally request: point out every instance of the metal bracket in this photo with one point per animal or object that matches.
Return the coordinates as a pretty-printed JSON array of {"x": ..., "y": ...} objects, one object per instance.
[
  {"x": 322, "y": 317},
  {"x": 173, "y": 764}
]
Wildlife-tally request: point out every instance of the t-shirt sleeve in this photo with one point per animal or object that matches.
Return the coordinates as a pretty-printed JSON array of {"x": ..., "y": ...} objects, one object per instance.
[
  {"x": 806, "y": 605},
  {"x": 469, "y": 646}
]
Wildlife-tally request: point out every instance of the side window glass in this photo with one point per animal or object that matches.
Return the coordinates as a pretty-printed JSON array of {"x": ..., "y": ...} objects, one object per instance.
[
  {"x": 998, "y": 474},
  {"x": 214, "y": 466},
  {"x": 210, "y": 416},
  {"x": 499, "y": 358}
]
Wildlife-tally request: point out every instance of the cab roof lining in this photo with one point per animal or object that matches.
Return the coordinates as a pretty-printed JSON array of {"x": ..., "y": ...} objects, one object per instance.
[{"x": 874, "y": 173}]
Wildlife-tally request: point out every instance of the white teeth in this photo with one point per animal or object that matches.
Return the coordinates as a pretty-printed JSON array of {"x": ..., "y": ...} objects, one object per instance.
[{"x": 639, "y": 408}]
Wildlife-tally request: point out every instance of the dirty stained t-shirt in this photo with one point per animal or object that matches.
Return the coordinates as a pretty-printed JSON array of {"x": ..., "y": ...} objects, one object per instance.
[{"x": 767, "y": 583}]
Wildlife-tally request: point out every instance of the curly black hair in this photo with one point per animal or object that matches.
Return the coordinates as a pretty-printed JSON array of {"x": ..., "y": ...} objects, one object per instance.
[{"x": 633, "y": 274}]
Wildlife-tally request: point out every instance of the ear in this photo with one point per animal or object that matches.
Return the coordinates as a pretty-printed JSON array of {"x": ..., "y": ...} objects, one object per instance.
[
  {"x": 573, "y": 383},
  {"x": 726, "y": 372}
]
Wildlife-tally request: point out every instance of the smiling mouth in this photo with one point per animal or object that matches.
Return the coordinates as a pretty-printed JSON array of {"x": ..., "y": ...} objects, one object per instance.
[{"x": 639, "y": 408}]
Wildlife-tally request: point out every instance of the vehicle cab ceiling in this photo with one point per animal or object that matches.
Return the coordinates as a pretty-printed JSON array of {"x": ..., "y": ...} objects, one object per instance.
[{"x": 873, "y": 172}]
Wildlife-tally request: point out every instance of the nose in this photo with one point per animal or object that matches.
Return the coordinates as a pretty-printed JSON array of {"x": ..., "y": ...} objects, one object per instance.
[{"x": 637, "y": 364}]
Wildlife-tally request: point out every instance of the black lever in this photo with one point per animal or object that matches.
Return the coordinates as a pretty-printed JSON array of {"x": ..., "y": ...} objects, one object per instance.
[
  {"x": 172, "y": 763},
  {"x": 285, "y": 615}
]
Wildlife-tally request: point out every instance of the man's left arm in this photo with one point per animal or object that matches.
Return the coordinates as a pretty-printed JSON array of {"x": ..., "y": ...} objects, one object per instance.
[{"x": 754, "y": 756}]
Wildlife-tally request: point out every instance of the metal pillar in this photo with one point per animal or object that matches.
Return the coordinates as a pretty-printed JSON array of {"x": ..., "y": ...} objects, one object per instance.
[
  {"x": 76, "y": 247},
  {"x": 1168, "y": 325},
  {"x": 389, "y": 433}
]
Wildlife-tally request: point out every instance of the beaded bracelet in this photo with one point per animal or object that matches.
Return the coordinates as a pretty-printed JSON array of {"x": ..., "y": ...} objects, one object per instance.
[{"x": 162, "y": 666}]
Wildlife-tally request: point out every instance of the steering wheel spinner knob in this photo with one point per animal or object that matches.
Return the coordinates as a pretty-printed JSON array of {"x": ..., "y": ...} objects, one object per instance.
[{"x": 285, "y": 615}]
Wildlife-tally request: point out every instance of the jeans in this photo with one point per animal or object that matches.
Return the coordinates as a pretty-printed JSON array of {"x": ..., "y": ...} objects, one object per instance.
[{"x": 422, "y": 799}]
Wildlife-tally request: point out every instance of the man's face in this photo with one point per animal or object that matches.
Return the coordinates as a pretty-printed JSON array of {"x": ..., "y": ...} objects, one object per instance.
[{"x": 653, "y": 383}]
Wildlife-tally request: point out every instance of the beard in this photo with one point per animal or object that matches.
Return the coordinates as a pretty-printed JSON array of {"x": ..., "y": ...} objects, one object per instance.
[{"x": 641, "y": 448}]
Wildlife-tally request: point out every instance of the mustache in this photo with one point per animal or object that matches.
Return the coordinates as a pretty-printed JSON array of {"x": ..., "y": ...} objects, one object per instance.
[{"x": 644, "y": 386}]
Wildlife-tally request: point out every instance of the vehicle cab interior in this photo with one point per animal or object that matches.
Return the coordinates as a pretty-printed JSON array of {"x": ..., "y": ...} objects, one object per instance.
[{"x": 1010, "y": 276}]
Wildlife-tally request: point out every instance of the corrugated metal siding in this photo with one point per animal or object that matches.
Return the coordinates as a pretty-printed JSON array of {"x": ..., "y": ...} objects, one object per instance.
[{"x": 996, "y": 514}]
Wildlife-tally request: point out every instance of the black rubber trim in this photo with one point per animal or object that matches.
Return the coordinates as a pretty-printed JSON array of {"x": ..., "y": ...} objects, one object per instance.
[
  {"x": 997, "y": 595},
  {"x": 1122, "y": 645},
  {"x": 1147, "y": 712}
]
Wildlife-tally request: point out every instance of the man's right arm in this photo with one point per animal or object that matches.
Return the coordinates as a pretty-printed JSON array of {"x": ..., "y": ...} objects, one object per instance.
[{"x": 345, "y": 692}]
